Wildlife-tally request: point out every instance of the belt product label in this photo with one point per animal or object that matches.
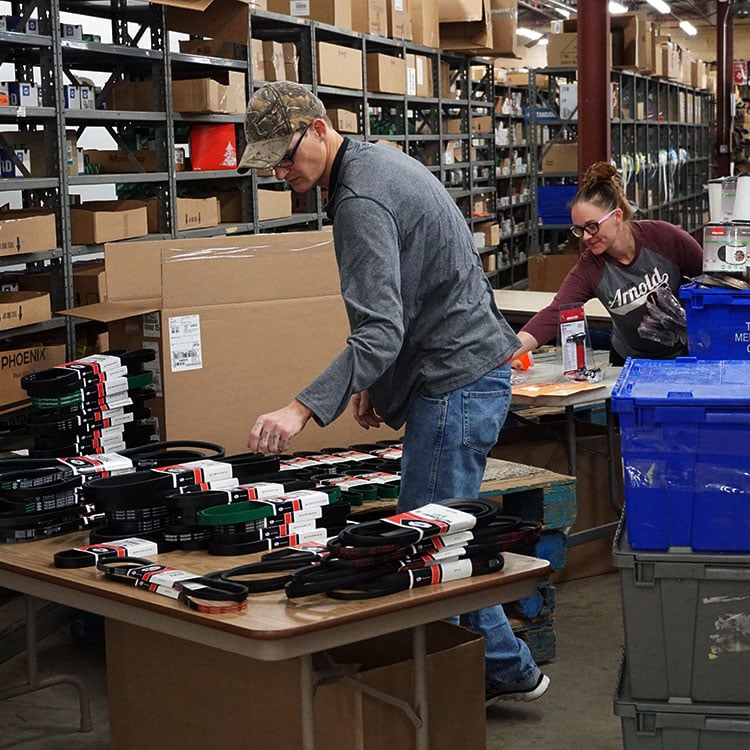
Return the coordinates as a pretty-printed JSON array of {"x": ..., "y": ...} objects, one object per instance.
[
  {"x": 260, "y": 490},
  {"x": 154, "y": 576},
  {"x": 378, "y": 477},
  {"x": 197, "y": 472},
  {"x": 433, "y": 519},
  {"x": 298, "y": 462},
  {"x": 105, "y": 464},
  {"x": 353, "y": 456},
  {"x": 131, "y": 547},
  {"x": 299, "y": 500},
  {"x": 432, "y": 574}
]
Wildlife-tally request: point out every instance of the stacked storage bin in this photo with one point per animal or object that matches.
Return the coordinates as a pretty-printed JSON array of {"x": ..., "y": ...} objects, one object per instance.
[{"x": 682, "y": 551}]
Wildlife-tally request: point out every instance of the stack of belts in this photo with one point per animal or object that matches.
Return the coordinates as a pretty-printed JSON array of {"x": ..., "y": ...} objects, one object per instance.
[{"x": 92, "y": 405}]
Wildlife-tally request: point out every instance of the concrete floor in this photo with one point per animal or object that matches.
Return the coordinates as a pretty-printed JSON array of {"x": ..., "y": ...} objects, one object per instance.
[{"x": 576, "y": 712}]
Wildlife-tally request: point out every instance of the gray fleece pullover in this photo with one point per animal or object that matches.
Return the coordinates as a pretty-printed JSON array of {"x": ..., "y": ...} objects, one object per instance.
[{"x": 421, "y": 312}]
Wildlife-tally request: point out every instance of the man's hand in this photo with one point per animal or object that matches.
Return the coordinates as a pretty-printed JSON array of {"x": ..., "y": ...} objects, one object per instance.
[
  {"x": 364, "y": 412},
  {"x": 273, "y": 433}
]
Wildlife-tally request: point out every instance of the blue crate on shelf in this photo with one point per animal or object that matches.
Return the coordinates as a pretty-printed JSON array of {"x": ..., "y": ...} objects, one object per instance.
[
  {"x": 552, "y": 202},
  {"x": 718, "y": 321},
  {"x": 685, "y": 435}
]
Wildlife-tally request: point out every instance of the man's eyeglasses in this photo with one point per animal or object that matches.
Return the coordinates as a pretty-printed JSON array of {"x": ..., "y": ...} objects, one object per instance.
[
  {"x": 592, "y": 227},
  {"x": 288, "y": 159}
]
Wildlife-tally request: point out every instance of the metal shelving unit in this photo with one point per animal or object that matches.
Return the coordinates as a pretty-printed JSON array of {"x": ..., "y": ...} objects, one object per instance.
[{"x": 139, "y": 50}]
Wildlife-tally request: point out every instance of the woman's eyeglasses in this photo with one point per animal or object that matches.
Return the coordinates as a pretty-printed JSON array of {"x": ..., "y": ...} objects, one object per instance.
[
  {"x": 288, "y": 159},
  {"x": 592, "y": 227}
]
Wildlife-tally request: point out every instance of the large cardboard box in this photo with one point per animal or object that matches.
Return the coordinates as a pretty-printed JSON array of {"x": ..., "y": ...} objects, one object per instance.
[
  {"x": 425, "y": 23},
  {"x": 334, "y": 12},
  {"x": 546, "y": 272},
  {"x": 466, "y": 25},
  {"x": 18, "y": 360},
  {"x": 27, "y": 230},
  {"x": 216, "y": 19},
  {"x": 23, "y": 309},
  {"x": 89, "y": 283},
  {"x": 370, "y": 16},
  {"x": 339, "y": 66},
  {"x": 240, "y": 329},
  {"x": 273, "y": 61},
  {"x": 560, "y": 157},
  {"x": 628, "y": 40},
  {"x": 386, "y": 74},
  {"x": 345, "y": 718},
  {"x": 96, "y": 222},
  {"x": 223, "y": 92}
]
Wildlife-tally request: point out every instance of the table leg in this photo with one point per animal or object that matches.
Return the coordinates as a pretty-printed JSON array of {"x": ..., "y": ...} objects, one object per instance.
[
  {"x": 570, "y": 440},
  {"x": 419, "y": 649},
  {"x": 307, "y": 691}
]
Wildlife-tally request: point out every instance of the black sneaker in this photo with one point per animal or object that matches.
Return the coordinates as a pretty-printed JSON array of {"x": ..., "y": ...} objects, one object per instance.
[{"x": 494, "y": 692}]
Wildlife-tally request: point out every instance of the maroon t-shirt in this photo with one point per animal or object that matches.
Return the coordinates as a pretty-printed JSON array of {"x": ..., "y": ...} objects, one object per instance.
[{"x": 665, "y": 255}]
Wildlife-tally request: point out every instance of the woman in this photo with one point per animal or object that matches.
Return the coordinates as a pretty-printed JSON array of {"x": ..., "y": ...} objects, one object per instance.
[{"x": 634, "y": 268}]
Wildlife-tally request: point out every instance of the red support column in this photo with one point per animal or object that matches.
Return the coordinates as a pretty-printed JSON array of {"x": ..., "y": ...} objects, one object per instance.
[
  {"x": 724, "y": 84},
  {"x": 594, "y": 108}
]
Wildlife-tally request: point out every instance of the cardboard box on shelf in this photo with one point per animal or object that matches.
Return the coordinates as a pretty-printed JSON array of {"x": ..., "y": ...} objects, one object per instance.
[
  {"x": 562, "y": 50},
  {"x": 23, "y": 309},
  {"x": 89, "y": 282},
  {"x": 192, "y": 213},
  {"x": 490, "y": 233},
  {"x": 546, "y": 272},
  {"x": 95, "y": 222},
  {"x": 339, "y": 66},
  {"x": 425, "y": 23},
  {"x": 466, "y": 25},
  {"x": 230, "y": 206},
  {"x": 482, "y": 124},
  {"x": 119, "y": 162},
  {"x": 419, "y": 76},
  {"x": 257, "y": 64},
  {"x": 215, "y": 19},
  {"x": 34, "y": 142},
  {"x": 560, "y": 157},
  {"x": 504, "y": 14},
  {"x": 21, "y": 359},
  {"x": 629, "y": 37},
  {"x": 334, "y": 12},
  {"x": 386, "y": 74},
  {"x": 213, "y": 48},
  {"x": 343, "y": 120},
  {"x": 291, "y": 69},
  {"x": 223, "y": 92},
  {"x": 274, "y": 204},
  {"x": 280, "y": 299},
  {"x": 370, "y": 17},
  {"x": 27, "y": 230},
  {"x": 343, "y": 716},
  {"x": 399, "y": 19},
  {"x": 273, "y": 61}
]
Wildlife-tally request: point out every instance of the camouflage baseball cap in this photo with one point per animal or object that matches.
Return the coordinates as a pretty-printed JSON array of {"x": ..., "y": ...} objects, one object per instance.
[{"x": 274, "y": 114}]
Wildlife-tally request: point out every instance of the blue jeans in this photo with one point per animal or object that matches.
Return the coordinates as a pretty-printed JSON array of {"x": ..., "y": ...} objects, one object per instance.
[{"x": 446, "y": 442}]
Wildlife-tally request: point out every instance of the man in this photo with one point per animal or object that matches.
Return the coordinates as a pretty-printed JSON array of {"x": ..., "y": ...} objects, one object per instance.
[{"x": 428, "y": 348}]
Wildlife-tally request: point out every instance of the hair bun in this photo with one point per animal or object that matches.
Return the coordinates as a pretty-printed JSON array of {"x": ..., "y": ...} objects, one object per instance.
[{"x": 601, "y": 171}]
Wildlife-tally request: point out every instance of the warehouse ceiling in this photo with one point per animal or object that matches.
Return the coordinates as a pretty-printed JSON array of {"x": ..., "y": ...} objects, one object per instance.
[{"x": 537, "y": 14}]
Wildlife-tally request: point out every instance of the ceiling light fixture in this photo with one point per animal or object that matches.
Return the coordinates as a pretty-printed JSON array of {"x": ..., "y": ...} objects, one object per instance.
[
  {"x": 688, "y": 28},
  {"x": 659, "y": 5},
  {"x": 528, "y": 33},
  {"x": 617, "y": 8}
]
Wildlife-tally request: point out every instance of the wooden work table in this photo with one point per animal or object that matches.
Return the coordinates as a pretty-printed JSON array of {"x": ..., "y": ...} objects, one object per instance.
[{"x": 272, "y": 628}]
